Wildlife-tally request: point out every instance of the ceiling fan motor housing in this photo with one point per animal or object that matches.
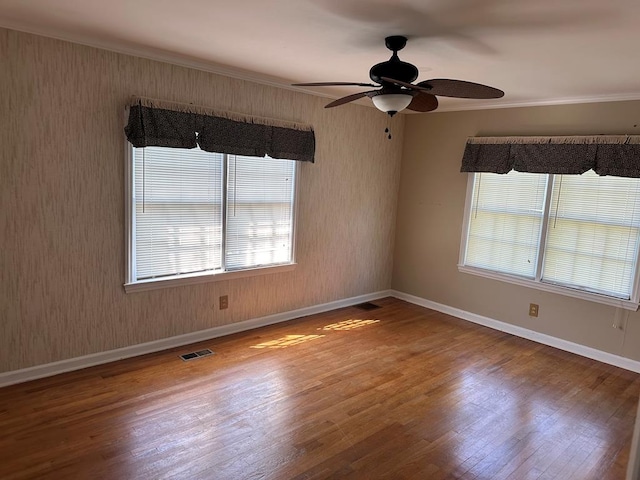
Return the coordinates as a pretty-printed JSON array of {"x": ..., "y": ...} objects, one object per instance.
[{"x": 393, "y": 68}]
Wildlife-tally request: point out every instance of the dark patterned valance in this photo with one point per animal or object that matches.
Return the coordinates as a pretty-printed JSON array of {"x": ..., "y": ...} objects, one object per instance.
[
  {"x": 617, "y": 155},
  {"x": 164, "y": 124}
]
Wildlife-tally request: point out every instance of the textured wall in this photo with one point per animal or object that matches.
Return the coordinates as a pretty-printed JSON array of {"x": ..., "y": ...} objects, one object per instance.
[
  {"x": 62, "y": 235},
  {"x": 431, "y": 207}
]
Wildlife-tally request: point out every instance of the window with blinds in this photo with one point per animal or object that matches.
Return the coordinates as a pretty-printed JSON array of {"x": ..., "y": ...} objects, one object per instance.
[
  {"x": 575, "y": 232},
  {"x": 195, "y": 213},
  {"x": 259, "y": 212},
  {"x": 505, "y": 222},
  {"x": 592, "y": 238}
]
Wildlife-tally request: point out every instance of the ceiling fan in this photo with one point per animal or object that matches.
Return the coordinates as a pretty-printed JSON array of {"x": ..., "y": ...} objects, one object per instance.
[{"x": 396, "y": 92}]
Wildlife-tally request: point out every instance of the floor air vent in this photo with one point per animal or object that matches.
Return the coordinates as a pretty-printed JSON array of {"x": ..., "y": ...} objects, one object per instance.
[
  {"x": 367, "y": 306},
  {"x": 193, "y": 355}
]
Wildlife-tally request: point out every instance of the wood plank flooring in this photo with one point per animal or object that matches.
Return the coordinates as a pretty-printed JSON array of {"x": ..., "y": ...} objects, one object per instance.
[{"x": 397, "y": 392}]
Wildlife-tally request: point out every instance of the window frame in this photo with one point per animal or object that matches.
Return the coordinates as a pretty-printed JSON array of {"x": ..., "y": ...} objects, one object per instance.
[
  {"x": 537, "y": 283},
  {"x": 133, "y": 285}
]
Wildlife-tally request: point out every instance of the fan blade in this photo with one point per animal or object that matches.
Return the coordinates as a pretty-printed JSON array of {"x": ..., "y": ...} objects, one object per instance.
[
  {"x": 347, "y": 99},
  {"x": 423, "y": 102},
  {"x": 405, "y": 84},
  {"x": 333, "y": 84},
  {"x": 460, "y": 89}
]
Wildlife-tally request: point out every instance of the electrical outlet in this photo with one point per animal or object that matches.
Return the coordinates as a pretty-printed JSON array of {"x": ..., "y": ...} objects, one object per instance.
[
  {"x": 533, "y": 309},
  {"x": 224, "y": 302}
]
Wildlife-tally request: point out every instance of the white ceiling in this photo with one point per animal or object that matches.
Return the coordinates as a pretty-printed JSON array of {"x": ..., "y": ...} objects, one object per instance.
[{"x": 537, "y": 51}]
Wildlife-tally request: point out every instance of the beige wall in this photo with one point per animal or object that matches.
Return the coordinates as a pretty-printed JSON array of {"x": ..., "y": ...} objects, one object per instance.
[
  {"x": 62, "y": 207},
  {"x": 430, "y": 212},
  {"x": 62, "y": 250}
]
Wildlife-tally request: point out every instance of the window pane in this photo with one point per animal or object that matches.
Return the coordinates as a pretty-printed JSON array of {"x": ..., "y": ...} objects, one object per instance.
[
  {"x": 259, "y": 211},
  {"x": 593, "y": 233},
  {"x": 178, "y": 211},
  {"x": 505, "y": 220}
]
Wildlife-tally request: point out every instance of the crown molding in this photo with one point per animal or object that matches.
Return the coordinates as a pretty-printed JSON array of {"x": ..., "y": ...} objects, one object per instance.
[
  {"x": 158, "y": 55},
  {"x": 163, "y": 56},
  {"x": 623, "y": 97}
]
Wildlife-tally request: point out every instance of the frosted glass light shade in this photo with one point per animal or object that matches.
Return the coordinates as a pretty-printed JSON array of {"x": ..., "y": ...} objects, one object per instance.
[{"x": 392, "y": 102}]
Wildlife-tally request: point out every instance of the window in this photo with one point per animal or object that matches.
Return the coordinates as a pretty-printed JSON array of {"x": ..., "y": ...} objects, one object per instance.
[
  {"x": 194, "y": 214},
  {"x": 572, "y": 234}
]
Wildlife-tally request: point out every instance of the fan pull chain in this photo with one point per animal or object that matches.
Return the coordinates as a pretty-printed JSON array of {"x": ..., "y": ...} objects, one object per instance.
[{"x": 388, "y": 132}]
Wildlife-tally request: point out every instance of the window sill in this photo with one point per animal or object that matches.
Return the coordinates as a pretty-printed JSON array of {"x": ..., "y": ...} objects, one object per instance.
[
  {"x": 196, "y": 278},
  {"x": 570, "y": 292}
]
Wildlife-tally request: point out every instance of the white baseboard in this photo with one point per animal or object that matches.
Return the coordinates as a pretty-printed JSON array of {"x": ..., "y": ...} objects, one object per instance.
[
  {"x": 77, "y": 363},
  {"x": 559, "y": 343}
]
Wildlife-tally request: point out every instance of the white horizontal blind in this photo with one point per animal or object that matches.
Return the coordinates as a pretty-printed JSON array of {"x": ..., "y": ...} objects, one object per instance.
[
  {"x": 178, "y": 211},
  {"x": 505, "y": 221},
  {"x": 593, "y": 233},
  {"x": 260, "y": 194}
]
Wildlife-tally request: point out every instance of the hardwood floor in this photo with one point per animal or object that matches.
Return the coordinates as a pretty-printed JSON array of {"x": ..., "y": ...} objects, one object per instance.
[{"x": 398, "y": 392}]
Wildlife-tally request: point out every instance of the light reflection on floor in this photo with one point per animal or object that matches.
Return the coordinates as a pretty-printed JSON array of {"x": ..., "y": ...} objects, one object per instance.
[
  {"x": 287, "y": 341},
  {"x": 521, "y": 414},
  {"x": 194, "y": 419},
  {"x": 291, "y": 340},
  {"x": 349, "y": 324}
]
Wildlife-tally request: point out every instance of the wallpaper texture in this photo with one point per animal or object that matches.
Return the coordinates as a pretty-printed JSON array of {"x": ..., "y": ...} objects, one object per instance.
[
  {"x": 62, "y": 231},
  {"x": 431, "y": 209}
]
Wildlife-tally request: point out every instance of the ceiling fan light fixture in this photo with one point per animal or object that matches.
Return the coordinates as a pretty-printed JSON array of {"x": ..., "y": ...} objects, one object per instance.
[{"x": 392, "y": 103}]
